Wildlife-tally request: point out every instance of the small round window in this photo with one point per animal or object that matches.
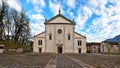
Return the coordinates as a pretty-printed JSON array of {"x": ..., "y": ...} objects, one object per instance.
[{"x": 59, "y": 31}]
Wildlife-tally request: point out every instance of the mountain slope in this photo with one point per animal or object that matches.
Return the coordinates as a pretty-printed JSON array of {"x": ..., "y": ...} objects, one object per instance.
[{"x": 115, "y": 39}]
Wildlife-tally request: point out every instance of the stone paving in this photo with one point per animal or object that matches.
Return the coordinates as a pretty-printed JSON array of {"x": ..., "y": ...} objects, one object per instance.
[
  {"x": 25, "y": 61},
  {"x": 83, "y": 64},
  {"x": 49, "y": 60},
  {"x": 64, "y": 62},
  {"x": 51, "y": 63},
  {"x": 98, "y": 60}
]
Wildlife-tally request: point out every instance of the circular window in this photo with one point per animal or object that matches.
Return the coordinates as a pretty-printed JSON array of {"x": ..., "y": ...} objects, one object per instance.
[{"x": 59, "y": 31}]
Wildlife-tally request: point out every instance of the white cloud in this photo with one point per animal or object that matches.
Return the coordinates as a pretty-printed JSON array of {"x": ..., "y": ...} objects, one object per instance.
[
  {"x": 37, "y": 2},
  {"x": 38, "y": 5},
  {"x": 14, "y": 4},
  {"x": 37, "y": 23},
  {"x": 84, "y": 13},
  {"x": 54, "y": 7},
  {"x": 37, "y": 17},
  {"x": 104, "y": 27},
  {"x": 71, "y": 3},
  {"x": 37, "y": 28}
]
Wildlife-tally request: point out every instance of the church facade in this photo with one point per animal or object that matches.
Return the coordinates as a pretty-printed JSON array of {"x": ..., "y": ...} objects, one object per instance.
[{"x": 59, "y": 37}]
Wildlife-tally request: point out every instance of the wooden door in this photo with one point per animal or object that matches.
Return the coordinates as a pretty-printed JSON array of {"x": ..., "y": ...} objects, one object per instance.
[
  {"x": 79, "y": 50},
  {"x": 59, "y": 49},
  {"x": 40, "y": 50}
]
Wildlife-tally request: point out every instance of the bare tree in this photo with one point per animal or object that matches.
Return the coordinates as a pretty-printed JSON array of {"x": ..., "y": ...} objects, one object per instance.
[
  {"x": 14, "y": 23},
  {"x": 3, "y": 9},
  {"x": 21, "y": 26}
]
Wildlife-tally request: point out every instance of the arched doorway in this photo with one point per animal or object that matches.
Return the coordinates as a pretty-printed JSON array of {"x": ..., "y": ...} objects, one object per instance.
[{"x": 59, "y": 49}]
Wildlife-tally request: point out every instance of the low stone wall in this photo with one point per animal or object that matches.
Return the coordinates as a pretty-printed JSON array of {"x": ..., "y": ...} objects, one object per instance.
[
  {"x": 17, "y": 50},
  {"x": 1, "y": 48}
]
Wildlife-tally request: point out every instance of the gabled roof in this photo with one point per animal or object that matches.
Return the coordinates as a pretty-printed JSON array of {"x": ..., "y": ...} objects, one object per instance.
[
  {"x": 59, "y": 15},
  {"x": 39, "y": 34},
  {"x": 80, "y": 34}
]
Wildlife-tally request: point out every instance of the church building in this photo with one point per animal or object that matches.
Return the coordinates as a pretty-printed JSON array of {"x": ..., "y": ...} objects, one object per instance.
[{"x": 59, "y": 37}]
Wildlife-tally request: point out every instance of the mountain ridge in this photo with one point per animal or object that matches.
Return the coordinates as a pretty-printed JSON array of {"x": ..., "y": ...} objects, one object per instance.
[{"x": 115, "y": 39}]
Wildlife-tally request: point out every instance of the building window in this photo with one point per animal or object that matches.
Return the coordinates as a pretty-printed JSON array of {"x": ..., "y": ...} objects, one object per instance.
[
  {"x": 79, "y": 43},
  {"x": 39, "y": 42},
  {"x": 50, "y": 37},
  {"x": 68, "y": 37}
]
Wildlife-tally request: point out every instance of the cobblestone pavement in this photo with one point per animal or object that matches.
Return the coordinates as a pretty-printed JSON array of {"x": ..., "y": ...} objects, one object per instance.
[
  {"x": 51, "y": 63},
  {"x": 64, "y": 62},
  {"x": 83, "y": 64},
  {"x": 25, "y": 60},
  {"x": 49, "y": 60},
  {"x": 99, "y": 60}
]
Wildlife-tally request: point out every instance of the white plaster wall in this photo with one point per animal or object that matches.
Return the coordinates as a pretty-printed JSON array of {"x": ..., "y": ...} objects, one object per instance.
[
  {"x": 50, "y": 47},
  {"x": 59, "y": 38},
  {"x": 35, "y": 43},
  {"x": 69, "y": 44},
  {"x": 82, "y": 47}
]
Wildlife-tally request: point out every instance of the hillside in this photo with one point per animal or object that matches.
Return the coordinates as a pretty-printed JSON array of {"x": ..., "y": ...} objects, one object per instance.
[
  {"x": 11, "y": 45},
  {"x": 115, "y": 39}
]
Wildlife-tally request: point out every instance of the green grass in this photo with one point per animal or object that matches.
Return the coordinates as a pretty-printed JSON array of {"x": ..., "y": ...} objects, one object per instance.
[
  {"x": 12, "y": 45},
  {"x": 114, "y": 53}
]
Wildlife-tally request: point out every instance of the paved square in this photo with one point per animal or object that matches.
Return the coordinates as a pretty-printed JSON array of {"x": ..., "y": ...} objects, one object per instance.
[{"x": 49, "y": 60}]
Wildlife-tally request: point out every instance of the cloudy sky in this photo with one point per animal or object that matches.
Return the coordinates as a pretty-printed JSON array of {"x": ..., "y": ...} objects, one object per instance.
[{"x": 96, "y": 19}]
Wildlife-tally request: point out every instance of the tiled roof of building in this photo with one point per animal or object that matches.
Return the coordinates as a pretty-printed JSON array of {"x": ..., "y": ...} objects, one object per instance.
[
  {"x": 93, "y": 43},
  {"x": 111, "y": 43}
]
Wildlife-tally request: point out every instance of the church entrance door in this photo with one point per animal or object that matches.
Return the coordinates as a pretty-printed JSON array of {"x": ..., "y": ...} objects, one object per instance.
[{"x": 59, "y": 49}]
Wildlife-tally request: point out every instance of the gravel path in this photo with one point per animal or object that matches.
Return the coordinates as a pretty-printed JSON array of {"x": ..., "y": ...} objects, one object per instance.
[{"x": 64, "y": 62}]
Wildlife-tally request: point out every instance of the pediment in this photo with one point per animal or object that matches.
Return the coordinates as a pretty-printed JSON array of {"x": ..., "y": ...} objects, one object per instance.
[
  {"x": 59, "y": 19},
  {"x": 40, "y": 35},
  {"x": 76, "y": 35}
]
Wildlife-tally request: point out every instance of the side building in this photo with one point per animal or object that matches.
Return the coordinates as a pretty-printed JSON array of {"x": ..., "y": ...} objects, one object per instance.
[
  {"x": 109, "y": 47},
  {"x": 93, "y": 47}
]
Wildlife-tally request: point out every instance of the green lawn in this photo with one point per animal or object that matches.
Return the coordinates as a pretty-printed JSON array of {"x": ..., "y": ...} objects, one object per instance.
[{"x": 12, "y": 45}]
